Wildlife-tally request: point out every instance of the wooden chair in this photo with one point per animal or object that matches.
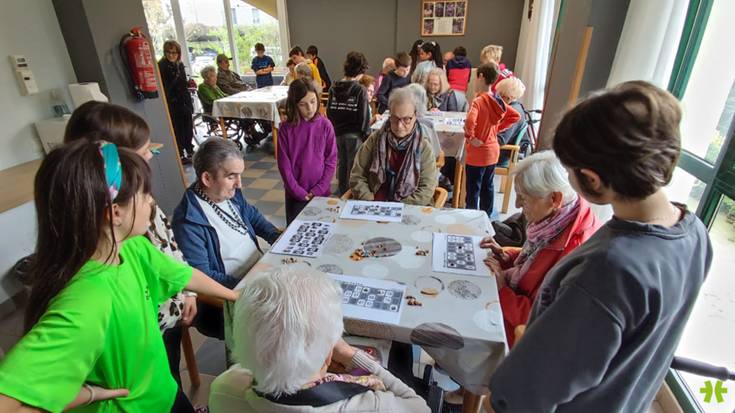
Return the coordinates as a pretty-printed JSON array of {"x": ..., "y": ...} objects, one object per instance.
[
  {"x": 440, "y": 160},
  {"x": 505, "y": 170},
  {"x": 440, "y": 197},
  {"x": 323, "y": 99},
  {"x": 187, "y": 346}
]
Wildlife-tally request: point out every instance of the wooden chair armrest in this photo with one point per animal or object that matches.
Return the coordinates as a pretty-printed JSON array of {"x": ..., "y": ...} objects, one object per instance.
[{"x": 347, "y": 195}]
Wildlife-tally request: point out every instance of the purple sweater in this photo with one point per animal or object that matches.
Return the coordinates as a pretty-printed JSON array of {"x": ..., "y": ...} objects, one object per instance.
[{"x": 307, "y": 157}]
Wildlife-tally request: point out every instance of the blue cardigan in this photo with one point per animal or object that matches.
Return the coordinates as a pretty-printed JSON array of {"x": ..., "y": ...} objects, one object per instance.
[{"x": 198, "y": 240}]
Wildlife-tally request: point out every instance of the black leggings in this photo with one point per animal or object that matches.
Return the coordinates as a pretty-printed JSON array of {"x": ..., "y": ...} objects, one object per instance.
[
  {"x": 172, "y": 342},
  {"x": 182, "y": 404}
]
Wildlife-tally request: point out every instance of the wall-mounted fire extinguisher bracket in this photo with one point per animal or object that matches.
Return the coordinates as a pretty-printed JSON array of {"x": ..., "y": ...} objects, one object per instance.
[{"x": 135, "y": 52}]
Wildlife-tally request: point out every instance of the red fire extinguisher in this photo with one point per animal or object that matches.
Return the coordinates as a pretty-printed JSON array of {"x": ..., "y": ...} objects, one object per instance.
[{"x": 136, "y": 54}]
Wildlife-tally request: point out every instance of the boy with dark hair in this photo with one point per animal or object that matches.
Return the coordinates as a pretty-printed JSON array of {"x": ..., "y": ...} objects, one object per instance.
[
  {"x": 488, "y": 115},
  {"x": 312, "y": 53},
  {"x": 348, "y": 109},
  {"x": 459, "y": 69},
  {"x": 262, "y": 65},
  {"x": 297, "y": 55},
  {"x": 603, "y": 330},
  {"x": 393, "y": 80}
]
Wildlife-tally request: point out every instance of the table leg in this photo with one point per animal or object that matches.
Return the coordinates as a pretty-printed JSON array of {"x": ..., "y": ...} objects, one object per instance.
[
  {"x": 471, "y": 402},
  {"x": 458, "y": 184},
  {"x": 223, "y": 127},
  {"x": 274, "y": 131}
]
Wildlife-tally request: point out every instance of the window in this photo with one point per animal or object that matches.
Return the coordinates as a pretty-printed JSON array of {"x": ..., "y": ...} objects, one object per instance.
[
  {"x": 703, "y": 78},
  {"x": 710, "y": 332},
  {"x": 205, "y": 31},
  {"x": 709, "y": 99},
  {"x": 159, "y": 16},
  {"x": 250, "y": 26},
  {"x": 200, "y": 26},
  {"x": 686, "y": 189}
]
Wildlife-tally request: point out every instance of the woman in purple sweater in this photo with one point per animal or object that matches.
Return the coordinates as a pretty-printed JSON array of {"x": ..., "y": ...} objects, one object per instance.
[{"x": 307, "y": 149}]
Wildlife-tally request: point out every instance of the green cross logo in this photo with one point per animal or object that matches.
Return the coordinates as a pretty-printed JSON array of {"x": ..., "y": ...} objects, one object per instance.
[{"x": 718, "y": 390}]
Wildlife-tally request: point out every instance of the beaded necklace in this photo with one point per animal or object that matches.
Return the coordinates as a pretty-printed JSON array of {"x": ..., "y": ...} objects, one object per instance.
[{"x": 233, "y": 221}]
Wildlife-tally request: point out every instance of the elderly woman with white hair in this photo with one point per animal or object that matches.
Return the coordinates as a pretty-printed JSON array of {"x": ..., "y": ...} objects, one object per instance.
[
  {"x": 287, "y": 331},
  {"x": 396, "y": 163},
  {"x": 558, "y": 222},
  {"x": 440, "y": 96},
  {"x": 511, "y": 90},
  {"x": 303, "y": 71},
  {"x": 208, "y": 90}
]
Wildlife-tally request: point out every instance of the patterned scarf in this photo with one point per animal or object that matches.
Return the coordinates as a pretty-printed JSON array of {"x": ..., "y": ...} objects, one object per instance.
[
  {"x": 370, "y": 381},
  {"x": 435, "y": 101},
  {"x": 539, "y": 235},
  {"x": 403, "y": 183}
]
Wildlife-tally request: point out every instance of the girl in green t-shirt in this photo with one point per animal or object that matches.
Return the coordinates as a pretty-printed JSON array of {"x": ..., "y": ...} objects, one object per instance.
[{"x": 93, "y": 340}]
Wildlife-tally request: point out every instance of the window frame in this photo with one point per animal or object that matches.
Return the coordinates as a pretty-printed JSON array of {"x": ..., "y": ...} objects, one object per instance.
[{"x": 719, "y": 178}]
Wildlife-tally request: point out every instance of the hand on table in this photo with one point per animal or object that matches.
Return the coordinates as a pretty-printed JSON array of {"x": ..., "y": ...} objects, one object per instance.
[
  {"x": 309, "y": 196},
  {"x": 496, "y": 251}
]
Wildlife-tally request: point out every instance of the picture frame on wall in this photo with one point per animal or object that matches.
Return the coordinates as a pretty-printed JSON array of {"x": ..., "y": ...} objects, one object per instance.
[{"x": 443, "y": 17}]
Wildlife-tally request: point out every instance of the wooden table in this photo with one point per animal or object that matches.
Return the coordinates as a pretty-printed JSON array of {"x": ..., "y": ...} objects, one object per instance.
[
  {"x": 461, "y": 326},
  {"x": 253, "y": 104},
  {"x": 449, "y": 127}
]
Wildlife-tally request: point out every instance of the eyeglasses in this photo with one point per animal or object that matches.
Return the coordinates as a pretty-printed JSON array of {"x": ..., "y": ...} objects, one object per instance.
[
  {"x": 172, "y": 52},
  {"x": 404, "y": 120}
]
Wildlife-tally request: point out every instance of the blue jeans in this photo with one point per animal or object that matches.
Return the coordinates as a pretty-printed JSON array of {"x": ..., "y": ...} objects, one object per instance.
[{"x": 481, "y": 188}]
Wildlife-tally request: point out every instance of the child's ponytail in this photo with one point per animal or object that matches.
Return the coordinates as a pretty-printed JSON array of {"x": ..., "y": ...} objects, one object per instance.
[{"x": 73, "y": 194}]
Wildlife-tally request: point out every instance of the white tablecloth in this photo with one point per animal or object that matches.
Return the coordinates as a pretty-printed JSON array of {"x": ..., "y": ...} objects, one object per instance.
[
  {"x": 461, "y": 327},
  {"x": 254, "y": 104}
]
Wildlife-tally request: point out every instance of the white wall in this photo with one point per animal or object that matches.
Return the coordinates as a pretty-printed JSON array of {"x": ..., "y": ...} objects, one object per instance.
[{"x": 29, "y": 28}]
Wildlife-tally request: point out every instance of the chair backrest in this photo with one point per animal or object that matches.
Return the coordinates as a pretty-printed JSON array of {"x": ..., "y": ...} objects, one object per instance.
[
  {"x": 439, "y": 199},
  {"x": 516, "y": 140}
]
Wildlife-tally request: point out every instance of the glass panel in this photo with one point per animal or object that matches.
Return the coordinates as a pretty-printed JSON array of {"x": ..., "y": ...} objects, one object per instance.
[
  {"x": 160, "y": 21},
  {"x": 252, "y": 25},
  {"x": 206, "y": 32},
  {"x": 710, "y": 332},
  {"x": 686, "y": 189},
  {"x": 709, "y": 100}
]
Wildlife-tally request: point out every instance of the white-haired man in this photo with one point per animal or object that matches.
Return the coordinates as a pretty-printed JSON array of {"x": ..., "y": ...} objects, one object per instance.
[{"x": 287, "y": 331}]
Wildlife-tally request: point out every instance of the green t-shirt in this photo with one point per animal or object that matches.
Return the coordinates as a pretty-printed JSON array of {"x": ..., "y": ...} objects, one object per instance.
[{"x": 102, "y": 329}]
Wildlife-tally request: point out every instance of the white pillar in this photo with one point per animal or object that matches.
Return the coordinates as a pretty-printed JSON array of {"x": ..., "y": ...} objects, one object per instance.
[
  {"x": 283, "y": 28},
  {"x": 231, "y": 35},
  {"x": 180, "y": 34}
]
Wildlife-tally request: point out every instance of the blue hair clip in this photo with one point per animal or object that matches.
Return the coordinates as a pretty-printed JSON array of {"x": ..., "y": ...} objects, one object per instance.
[{"x": 113, "y": 168}]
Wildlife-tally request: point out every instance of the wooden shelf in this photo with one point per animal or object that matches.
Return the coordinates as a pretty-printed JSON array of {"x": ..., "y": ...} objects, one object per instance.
[{"x": 16, "y": 184}]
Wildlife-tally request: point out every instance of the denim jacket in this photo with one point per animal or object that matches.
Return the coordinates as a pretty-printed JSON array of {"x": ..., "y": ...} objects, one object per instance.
[{"x": 198, "y": 240}]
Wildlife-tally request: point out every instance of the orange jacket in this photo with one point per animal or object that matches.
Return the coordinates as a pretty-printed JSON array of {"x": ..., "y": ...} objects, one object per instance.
[
  {"x": 516, "y": 305},
  {"x": 485, "y": 119}
]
